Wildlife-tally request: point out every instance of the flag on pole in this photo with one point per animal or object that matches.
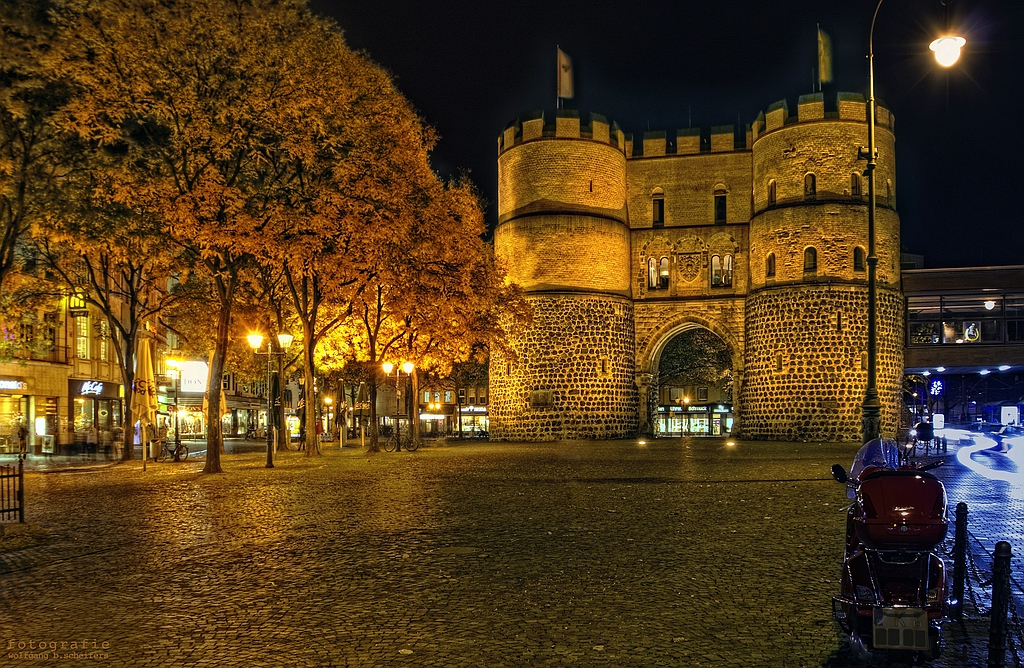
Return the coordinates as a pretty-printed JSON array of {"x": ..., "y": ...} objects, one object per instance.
[
  {"x": 564, "y": 75},
  {"x": 824, "y": 57}
]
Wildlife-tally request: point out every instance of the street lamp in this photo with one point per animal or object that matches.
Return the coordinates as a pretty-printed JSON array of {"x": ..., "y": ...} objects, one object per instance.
[
  {"x": 327, "y": 402},
  {"x": 255, "y": 341},
  {"x": 176, "y": 365},
  {"x": 947, "y": 51},
  {"x": 407, "y": 367}
]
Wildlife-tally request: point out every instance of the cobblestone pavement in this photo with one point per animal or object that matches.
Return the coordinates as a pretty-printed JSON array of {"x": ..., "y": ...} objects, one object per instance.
[{"x": 676, "y": 553}]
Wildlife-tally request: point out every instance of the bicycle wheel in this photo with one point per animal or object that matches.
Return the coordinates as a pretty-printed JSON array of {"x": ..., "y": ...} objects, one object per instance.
[
  {"x": 410, "y": 445},
  {"x": 390, "y": 444},
  {"x": 183, "y": 453}
]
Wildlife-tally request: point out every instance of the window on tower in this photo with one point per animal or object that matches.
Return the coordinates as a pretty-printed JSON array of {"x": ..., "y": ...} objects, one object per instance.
[
  {"x": 810, "y": 187},
  {"x": 663, "y": 273},
  {"x": 855, "y": 185},
  {"x": 769, "y": 266},
  {"x": 771, "y": 193},
  {"x": 658, "y": 208},
  {"x": 652, "y": 272},
  {"x": 720, "y": 207},
  {"x": 858, "y": 258},
  {"x": 810, "y": 259}
]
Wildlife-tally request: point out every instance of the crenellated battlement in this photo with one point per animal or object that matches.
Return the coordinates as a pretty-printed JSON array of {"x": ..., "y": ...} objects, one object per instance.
[
  {"x": 569, "y": 124},
  {"x": 811, "y": 108},
  {"x": 562, "y": 123}
]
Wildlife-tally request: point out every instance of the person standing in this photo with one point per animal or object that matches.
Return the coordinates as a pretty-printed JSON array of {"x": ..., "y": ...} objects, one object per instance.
[{"x": 22, "y": 438}]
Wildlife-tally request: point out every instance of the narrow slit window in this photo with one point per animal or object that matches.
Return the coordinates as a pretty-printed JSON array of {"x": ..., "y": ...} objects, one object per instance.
[
  {"x": 658, "y": 208},
  {"x": 769, "y": 265},
  {"x": 720, "y": 208},
  {"x": 771, "y": 193},
  {"x": 858, "y": 259},
  {"x": 855, "y": 185}
]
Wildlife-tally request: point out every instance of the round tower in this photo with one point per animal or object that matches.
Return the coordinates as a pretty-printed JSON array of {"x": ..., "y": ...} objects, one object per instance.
[
  {"x": 563, "y": 236},
  {"x": 806, "y": 324}
]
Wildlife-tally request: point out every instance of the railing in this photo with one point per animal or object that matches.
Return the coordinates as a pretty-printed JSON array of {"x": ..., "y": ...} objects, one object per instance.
[{"x": 12, "y": 492}]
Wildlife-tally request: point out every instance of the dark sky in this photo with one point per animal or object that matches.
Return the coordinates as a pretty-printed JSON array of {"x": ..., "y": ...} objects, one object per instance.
[{"x": 471, "y": 66}]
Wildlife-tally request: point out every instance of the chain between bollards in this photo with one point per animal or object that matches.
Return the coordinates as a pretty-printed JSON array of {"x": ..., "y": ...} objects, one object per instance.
[
  {"x": 959, "y": 561},
  {"x": 1000, "y": 605}
]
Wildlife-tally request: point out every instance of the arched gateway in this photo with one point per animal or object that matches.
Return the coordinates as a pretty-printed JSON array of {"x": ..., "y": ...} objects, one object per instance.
[{"x": 621, "y": 243}]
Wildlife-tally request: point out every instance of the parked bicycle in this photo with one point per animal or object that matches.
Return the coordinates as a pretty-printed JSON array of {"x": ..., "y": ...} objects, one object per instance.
[
  {"x": 397, "y": 442},
  {"x": 178, "y": 453}
]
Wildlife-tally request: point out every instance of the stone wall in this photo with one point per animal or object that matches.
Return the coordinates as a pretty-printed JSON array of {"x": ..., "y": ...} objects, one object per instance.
[
  {"x": 573, "y": 376},
  {"x": 806, "y": 361}
]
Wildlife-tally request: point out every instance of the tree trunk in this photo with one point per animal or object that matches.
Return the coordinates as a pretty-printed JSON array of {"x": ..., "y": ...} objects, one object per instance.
[
  {"x": 312, "y": 440},
  {"x": 214, "y": 437},
  {"x": 414, "y": 406},
  {"x": 374, "y": 444}
]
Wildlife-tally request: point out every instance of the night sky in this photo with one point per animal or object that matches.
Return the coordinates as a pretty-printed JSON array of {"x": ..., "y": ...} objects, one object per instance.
[{"x": 471, "y": 66}]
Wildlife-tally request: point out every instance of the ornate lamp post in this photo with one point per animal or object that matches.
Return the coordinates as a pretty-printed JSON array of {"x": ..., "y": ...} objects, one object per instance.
[
  {"x": 284, "y": 341},
  {"x": 408, "y": 368},
  {"x": 947, "y": 51}
]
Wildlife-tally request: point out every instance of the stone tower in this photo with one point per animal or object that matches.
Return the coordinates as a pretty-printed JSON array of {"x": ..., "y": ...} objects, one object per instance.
[
  {"x": 806, "y": 330},
  {"x": 758, "y": 235},
  {"x": 563, "y": 234}
]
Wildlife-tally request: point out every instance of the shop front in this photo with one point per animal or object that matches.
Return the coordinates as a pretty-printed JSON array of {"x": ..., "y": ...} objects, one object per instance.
[
  {"x": 698, "y": 420},
  {"x": 473, "y": 420},
  {"x": 96, "y": 417}
]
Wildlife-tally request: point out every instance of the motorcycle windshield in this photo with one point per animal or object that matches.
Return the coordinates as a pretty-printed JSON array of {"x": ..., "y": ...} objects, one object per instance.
[{"x": 877, "y": 453}]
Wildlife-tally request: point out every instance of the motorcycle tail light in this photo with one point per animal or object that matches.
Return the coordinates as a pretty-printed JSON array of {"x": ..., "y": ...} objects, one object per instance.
[
  {"x": 933, "y": 594},
  {"x": 869, "y": 510}
]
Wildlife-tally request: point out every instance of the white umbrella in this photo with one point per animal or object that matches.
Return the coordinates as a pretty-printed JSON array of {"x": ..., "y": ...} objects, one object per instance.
[{"x": 144, "y": 403}]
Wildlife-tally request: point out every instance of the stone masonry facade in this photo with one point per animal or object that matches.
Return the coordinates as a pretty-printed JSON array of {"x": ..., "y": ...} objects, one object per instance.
[{"x": 758, "y": 234}]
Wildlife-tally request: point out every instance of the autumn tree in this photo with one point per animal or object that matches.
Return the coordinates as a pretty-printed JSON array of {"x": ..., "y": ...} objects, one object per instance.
[
  {"x": 695, "y": 357},
  {"x": 218, "y": 108},
  {"x": 30, "y": 148}
]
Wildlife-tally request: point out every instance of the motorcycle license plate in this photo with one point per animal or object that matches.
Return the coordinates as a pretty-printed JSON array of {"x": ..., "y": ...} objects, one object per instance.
[{"x": 901, "y": 628}]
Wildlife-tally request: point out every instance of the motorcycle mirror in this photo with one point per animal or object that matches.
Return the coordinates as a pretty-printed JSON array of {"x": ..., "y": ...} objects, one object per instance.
[{"x": 839, "y": 473}]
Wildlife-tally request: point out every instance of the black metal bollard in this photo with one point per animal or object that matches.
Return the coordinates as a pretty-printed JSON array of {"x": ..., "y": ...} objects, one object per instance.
[
  {"x": 959, "y": 561},
  {"x": 1000, "y": 605}
]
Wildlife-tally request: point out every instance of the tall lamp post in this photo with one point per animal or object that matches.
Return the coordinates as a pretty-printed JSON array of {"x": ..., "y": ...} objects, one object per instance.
[
  {"x": 407, "y": 367},
  {"x": 947, "y": 52},
  {"x": 255, "y": 341},
  {"x": 176, "y": 365}
]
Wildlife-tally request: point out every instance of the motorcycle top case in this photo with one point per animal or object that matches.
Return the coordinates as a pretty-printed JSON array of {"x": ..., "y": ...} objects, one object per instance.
[{"x": 901, "y": 510}]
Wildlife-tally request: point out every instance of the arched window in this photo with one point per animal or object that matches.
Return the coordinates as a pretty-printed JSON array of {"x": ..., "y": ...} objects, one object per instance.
[
  {"x": 771, "y": 193},
  {"x": 716, "y": 271},
  {"x": 810, "y": 259},
  {"x": 888, "y": 192},
  {"x": 858, "y": 258},
  {"x": 727, "y": 270},
  {"x": 855, "y": 185},
  {"x": 810, "y": 187},
  {"x": 769, "y": 265},
  {"x": 652, "y": 272},
  {"x": 663, "y": 273}
]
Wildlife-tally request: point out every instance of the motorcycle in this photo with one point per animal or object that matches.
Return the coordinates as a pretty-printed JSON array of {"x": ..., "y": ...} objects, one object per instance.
[{"x": 894, "y": 590}]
